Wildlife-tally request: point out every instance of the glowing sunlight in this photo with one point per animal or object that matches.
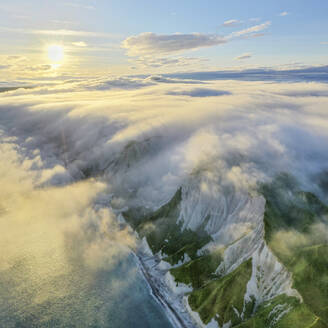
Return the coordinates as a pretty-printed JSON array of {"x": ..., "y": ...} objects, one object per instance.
[{"x": 55, "y": 53}]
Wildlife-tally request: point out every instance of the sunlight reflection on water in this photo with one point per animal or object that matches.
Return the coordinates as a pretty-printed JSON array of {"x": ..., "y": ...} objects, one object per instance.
[
  {"x": 76, "y": 296},
  {"x": 64, "y": 260}
]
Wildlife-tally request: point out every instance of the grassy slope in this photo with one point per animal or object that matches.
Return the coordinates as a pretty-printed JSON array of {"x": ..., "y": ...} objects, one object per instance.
[
  {"x": 221, "y": 296},
  {"x": 211, "y": 295},
  {"x": 198, "y": 272},
  {"x": 307, "y": 261},
  {"x": 287, "y": 209},
  {"x": 299, "y": 316},
  {"x": 164, "y": 233}
]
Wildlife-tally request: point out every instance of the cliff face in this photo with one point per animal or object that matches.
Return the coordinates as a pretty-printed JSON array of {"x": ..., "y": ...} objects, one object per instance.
[{"x": 226, "y": 258}]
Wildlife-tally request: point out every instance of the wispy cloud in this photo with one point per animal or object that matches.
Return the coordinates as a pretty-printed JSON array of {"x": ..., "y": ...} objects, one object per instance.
[
  {"x": 255, "y": 19},
  {"x": 244, "y": 56},
  {"x": 175, "y": 61},
  {"x": 251, "y": 30},
  {"x": 284, "y": 13},
  {"x": 79, "y": 44},
  {"x": 79, "y": 5},
  {"x": 38, "y": 68},
  {"x": 231, "y": 22},
  {"x": 59, "y": 32}
]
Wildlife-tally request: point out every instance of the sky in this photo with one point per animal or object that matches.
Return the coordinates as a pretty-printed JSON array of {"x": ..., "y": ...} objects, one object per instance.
[{"x": 99, "y": 37}]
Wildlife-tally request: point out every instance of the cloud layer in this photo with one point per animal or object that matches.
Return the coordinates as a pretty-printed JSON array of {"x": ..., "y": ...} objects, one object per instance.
[{"x": 78, "y": 153}]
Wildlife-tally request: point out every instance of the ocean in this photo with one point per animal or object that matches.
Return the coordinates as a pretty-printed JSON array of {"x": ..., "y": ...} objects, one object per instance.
[{"x": 45, "y": 291}]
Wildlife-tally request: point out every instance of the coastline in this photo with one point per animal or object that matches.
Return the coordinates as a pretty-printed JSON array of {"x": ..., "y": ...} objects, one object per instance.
[
  {"x": 171, "y": 313},
  {"x": 155, "y": 274}
]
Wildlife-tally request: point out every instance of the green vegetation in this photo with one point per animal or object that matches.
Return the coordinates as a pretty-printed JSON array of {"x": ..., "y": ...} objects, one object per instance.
[
  {"x": 295, "y": 223},
  {"x": 198, "y": 272},
  {"x": 309, "y": 266},
  {"x": 223, "y": 296},
  {"x": 290, "y": 218},
  {"x": 164, "y": 233},
  {"x": 292, "y": 314},
  {"x": 289, "y": 208}
]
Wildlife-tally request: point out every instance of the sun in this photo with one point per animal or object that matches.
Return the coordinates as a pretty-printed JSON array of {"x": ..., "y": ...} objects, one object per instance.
[{"x": 55, "y": 53}]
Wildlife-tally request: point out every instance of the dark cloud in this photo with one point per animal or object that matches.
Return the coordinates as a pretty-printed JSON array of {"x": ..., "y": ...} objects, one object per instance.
[{"x": 162, "y": 79}]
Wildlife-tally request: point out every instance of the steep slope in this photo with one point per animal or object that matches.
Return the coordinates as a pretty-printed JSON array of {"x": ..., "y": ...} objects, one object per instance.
[
  {"x": 296, "y": 228},
  {"x": 217, "y": 244}
]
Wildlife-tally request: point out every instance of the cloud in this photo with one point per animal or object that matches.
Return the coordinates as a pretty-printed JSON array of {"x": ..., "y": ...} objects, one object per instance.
[
  {"x": 79, "y": 44},
  {"x": 162, "y": 79},
  {"x": 36, "y": 68},
  {"x": 254, "y": 35},
  {"x": 200, "y": 92},
  {"x": 231, "y": 22},
  {"x": 251, "y": 30},
  {"x": 79, "y": 5},
  {"x": 255, "y": 19},
  {"x": 124, "y": 83},
  {"x": 91, "y": 84},
  {"x": 126, "y": 137},
  {"x": 147, "y": 45},
  {"x": 311, "y": 73},
  {"x": 244, "y": 56},
  {"x": 59, "y": 32},
  {"x": 284, "y": 13},
  {"x": 324, "y": 42},
  {"x": 287, "y": 242},
  {"x": 15, "y": 59},
  {"x": 10, "y": 62},
  {"x": 23, "y": 66},
  {"x": 151, "y": 43},
  {"x": 159, "y": 62},
  {"x": 306, "y": 93},
  {"x": 8, "y": 89}
]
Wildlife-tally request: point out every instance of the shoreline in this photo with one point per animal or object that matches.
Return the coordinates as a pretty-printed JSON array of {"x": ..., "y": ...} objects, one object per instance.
[
  {"x": 171, "y": 313},
  {"x": 172, "y": 303}
]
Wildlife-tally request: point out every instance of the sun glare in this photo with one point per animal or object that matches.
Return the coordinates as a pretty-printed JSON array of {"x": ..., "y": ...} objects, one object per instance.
[{"x": 55, "y": 53}]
